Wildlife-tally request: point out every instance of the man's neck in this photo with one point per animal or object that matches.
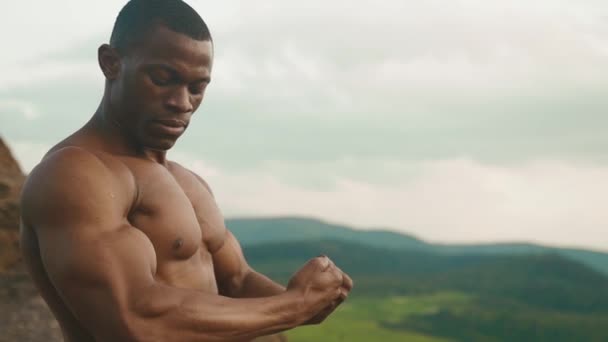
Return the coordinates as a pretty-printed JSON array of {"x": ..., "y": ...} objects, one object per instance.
[{"x": 115, "y": 138}]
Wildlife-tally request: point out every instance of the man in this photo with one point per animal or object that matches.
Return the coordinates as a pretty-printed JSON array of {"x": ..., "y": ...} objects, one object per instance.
[{"x": 126, "y": 245}]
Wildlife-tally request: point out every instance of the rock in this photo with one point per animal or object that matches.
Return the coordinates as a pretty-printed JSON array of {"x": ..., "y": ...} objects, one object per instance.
[
  {"x": 11, "y": 181},
  {"x": 24, "y": 315}
]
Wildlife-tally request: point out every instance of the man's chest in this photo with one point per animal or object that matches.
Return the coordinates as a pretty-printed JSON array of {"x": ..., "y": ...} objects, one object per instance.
[{"x": 176, "y": 211}]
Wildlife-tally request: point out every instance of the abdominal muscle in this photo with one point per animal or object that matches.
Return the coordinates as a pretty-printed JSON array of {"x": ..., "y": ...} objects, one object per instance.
[{"x": 195, "y": 273}]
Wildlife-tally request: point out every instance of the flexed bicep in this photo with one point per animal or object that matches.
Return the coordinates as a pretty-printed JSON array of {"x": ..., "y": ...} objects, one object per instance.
[{"x": 92, "y": 256}]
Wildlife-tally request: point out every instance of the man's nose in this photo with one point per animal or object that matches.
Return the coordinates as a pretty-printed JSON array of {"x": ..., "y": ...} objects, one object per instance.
[{"x": 179, "y": 100}]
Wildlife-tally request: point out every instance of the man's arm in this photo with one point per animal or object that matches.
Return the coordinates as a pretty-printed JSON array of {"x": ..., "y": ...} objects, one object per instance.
[
  {"x": 236, "y": 278},
  {"x": 104, "y": 268}
]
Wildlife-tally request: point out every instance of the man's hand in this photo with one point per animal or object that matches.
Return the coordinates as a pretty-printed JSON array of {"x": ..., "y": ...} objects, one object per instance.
[
  {"x": 323, "y": 287},
  {"x": 347, "y": 286}
]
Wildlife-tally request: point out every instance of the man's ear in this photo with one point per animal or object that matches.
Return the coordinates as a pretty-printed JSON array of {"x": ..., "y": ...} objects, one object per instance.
[{"x": 109, "y": 61}]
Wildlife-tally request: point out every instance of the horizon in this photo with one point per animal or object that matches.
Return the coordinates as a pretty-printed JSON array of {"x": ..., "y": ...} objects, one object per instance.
[
  {"x": 414, "y": 236},
  {"x": 453, "y": 122}
]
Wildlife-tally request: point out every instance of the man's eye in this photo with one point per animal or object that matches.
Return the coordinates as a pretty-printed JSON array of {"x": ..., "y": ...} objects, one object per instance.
[
  {"x": 160, "y": 80},
  {"x": 197, "y": 88}
]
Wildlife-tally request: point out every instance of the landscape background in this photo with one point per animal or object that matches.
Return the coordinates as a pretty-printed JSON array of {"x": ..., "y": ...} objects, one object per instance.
[
  {"x": 409, "y": 290},
  {"x": 450, "y": 154}
]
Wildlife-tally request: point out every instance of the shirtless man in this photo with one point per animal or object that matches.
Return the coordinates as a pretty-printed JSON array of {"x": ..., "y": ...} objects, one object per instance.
[{"x": 125, "y": 245}]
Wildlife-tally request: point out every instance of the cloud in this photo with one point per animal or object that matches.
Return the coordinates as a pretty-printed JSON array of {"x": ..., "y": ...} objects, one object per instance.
[
  {"x": 28, "y": 154},
  {"x": 23, "y": 76},
  {"x": 460, "y": 44},
  {"x": 9, "y": 107},
  {"x": 456, "y": 200},
  {"x": 51, "y": 26}
]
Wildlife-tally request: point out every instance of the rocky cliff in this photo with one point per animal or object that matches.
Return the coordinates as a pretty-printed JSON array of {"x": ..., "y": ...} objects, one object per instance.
[
  {"x": 24, "y": 316},
  {"x": 11, "y": 181}
]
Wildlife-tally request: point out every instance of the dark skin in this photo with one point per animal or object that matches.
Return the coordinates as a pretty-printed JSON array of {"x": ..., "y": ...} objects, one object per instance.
[{"x": 126, "y": 245}]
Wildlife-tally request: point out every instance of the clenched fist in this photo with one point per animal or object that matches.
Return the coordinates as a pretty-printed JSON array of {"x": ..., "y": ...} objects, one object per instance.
[{"x": 322, "y": 286}]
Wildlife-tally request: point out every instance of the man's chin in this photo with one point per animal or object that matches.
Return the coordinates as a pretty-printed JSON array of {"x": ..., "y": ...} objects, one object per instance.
[{"x": 162, "y": 144}]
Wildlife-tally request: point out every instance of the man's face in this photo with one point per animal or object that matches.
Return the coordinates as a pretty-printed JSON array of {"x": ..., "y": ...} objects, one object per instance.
[{"x": 161, "y": 83}]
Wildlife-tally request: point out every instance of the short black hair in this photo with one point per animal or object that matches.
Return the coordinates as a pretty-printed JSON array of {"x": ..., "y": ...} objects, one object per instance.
[{"x": 138, "y": 17}]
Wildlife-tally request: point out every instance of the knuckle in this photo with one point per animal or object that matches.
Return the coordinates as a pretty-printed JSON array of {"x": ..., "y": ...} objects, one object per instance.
[
  {"x": 321, "y": 261},
  {"x": 312, "y": 263}
]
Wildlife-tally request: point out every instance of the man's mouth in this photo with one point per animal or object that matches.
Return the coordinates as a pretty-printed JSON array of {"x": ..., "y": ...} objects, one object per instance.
[{"x": 172, "y": 127}]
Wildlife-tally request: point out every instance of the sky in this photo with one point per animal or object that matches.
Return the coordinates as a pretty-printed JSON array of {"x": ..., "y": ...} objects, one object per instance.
[{"x": 457, "y": 121}]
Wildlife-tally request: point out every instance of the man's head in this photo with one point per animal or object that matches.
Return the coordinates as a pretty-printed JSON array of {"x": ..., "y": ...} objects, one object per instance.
[
  {"x": 157, "y": 67},
  {"x": 138, "y": 17}
]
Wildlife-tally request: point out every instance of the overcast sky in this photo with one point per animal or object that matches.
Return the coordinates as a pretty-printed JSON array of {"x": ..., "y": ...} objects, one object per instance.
[{"x": 456, "y": 121}]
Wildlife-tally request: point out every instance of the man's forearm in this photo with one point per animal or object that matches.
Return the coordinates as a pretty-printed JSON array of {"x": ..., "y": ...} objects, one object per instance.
[
  {"x": 185, "y": 315},
  {"x": 255, "y": 284}
]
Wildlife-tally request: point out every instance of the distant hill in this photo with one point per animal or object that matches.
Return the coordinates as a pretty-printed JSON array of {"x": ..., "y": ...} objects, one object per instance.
[
  {"x": 549, "y": 281},
  {"x": 538, "y": 297},
  {"x": 253, "y": 231},
  {"x": 261, "y": 230}
]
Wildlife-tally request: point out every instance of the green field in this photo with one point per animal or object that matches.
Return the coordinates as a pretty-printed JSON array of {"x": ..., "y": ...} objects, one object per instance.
[
  {"x": 450, "y": 316},
  {"x": 417, "y": 293},
  {"x": 360, "y": 319}
]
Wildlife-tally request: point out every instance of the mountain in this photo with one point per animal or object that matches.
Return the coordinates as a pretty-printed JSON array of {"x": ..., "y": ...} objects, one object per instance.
[
  {"x": 493, "y": 292},
  {"x": 261, "y": 230},
  {"x": 254, "y": 231},
  {"x": 535, "y": 297},
  {"x": 548, "y": 281}
]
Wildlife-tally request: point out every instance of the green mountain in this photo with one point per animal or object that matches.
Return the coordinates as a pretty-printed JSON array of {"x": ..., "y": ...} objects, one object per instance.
[
  {"x": 548, "y": 281},
  {"x": 407, "y": 289},
  {"x": 261, "y": 230},
  {"x": 253, "y": 231},
  {"x": 437, "y": 297}
]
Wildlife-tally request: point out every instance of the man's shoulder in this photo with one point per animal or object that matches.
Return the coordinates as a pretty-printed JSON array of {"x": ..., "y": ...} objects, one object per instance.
[
  {"x": 72, "y": 161},
  {"x": 72, "y": 174},
  {"x": 183, "y": 170}
]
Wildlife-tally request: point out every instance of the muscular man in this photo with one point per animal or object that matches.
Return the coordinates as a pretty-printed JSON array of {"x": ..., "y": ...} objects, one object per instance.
[{"x": 126, "y": 245}]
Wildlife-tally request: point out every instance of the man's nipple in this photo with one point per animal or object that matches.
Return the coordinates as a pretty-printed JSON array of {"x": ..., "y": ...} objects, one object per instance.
[{"x": 177, "y": 244}]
